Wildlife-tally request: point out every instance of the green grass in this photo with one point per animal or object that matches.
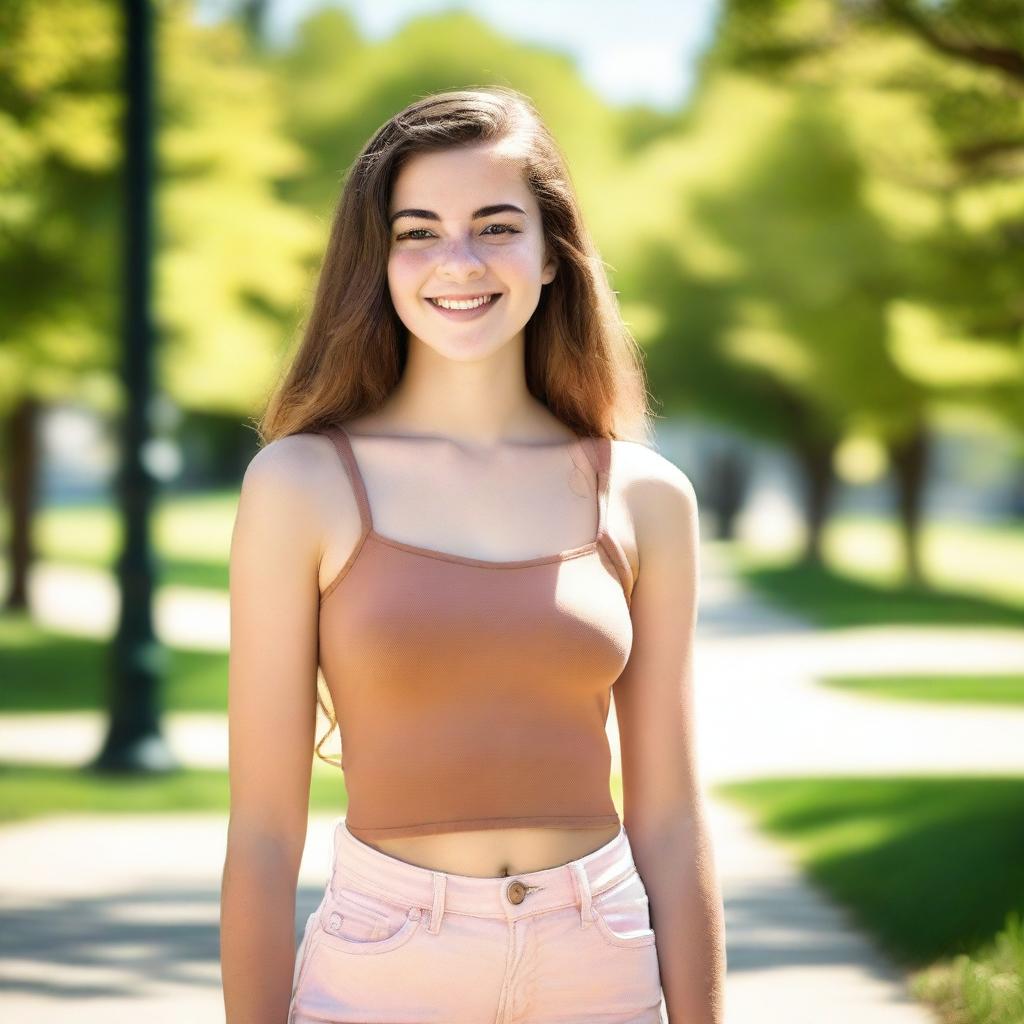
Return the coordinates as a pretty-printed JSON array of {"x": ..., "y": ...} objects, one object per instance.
[
  {"x": 943, "y": 689},
  {"x": 48, "y": 671},
  {"x": 191, "y": 533},
  {"x": 30, "y": 791},
  {"x": 931, "y": 867},
  {"x": 985, "y": 988},
  {"x": 973, "y": 571}
]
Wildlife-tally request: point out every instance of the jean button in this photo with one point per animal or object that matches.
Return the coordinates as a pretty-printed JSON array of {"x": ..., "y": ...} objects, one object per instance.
[{"x": 516, "y": 892}]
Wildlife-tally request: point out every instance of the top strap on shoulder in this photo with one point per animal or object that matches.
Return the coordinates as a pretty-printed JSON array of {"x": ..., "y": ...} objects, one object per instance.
[
  {"x": 343, "y": 446},
  {"x": 604, "y": 536},
  {"x": 599, "y": 452},
  {"x": 602, "y": 465}
]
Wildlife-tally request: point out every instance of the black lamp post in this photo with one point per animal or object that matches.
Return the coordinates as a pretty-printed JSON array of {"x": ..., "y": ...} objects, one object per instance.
[{"x": 134, "y": 742}]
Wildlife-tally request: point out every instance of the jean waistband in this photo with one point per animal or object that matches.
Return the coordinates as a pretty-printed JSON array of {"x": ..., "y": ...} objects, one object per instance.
[{"x": 516, "y": 896}]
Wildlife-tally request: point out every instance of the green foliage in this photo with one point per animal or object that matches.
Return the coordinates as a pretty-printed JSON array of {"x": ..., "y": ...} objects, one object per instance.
[
  {"x": 231, "y": 256},
  {"x": 59, "y": 107},
  {"x": 982, "y": 988},
  {"x": 930, "y": 98},
  {"x": 338, "y": 89},
  {"x": 826, "y": 240},
  {"x": 234, "y": 256}
]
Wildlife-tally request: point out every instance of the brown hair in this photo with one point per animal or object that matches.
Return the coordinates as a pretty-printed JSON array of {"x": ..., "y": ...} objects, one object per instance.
[{"x": 581, "y": 360}]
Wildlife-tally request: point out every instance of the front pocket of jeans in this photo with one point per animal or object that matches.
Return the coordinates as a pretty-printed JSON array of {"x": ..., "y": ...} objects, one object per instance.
[
  {"x": 622, "y": 913},
  {"x": 302, "y": 958},
  {"x": 355, "y": 920}
]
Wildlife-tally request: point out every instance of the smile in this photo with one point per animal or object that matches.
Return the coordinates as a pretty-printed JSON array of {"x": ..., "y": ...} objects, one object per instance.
[
  {"x": 472, "y": 303},
  {"x": 465, "y": 309}
]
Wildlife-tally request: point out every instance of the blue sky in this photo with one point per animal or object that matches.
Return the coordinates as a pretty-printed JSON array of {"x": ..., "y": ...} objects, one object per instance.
[{"x": 644, "y": 50}]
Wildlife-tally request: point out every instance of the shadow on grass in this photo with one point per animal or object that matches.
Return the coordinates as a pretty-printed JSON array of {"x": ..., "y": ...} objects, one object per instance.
[
  {"x": 829, "y": 598},
  {"x": 44, "y": 670},
  {"x": 183, "y": 572},
  {"x": 928, "y": 865}
]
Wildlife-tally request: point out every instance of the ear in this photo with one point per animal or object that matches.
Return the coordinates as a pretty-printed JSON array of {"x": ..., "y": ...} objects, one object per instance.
[{"x": 547, "y": 275}]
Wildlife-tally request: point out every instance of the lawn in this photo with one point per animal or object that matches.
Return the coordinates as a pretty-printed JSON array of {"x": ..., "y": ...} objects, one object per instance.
[
  {"x": 931, "y": 867},
  {"x": 192, "y": 536},
  {"x": 1005, "y": 689},
  {"x": 31, "y": 791},
  {"x": 974, "y": 573},
  {"x": 49, "y": 671}
]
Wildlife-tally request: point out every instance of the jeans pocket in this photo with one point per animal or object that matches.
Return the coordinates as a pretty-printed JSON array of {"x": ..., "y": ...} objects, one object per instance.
[
  {"x": 622, "y": 912},
  {"x": 301, "y": 960},
  {"x": 355, "y": 919}
]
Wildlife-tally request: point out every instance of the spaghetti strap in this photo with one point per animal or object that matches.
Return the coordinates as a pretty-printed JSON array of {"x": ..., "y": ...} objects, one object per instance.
[
  {"x": 598, "y": 451},
  {"x": 343, "y": 446},
  {"x": 602, "y": 466},
  {"x": 611, "y": 546}
]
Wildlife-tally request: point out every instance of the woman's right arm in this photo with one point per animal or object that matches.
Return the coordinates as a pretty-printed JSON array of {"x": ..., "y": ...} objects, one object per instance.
[{"x": 274, "y": 598}]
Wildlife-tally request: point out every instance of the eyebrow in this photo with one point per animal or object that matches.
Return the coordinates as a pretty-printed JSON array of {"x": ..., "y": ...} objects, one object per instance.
[{"x": 484, "y": 211}]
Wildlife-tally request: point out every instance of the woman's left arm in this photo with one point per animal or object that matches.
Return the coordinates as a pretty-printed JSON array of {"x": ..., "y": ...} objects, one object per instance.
[{"x": 663, "y": 809}]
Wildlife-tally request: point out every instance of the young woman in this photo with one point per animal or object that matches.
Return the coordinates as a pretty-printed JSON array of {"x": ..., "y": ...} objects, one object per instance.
[{"x": 458, "y": 518}]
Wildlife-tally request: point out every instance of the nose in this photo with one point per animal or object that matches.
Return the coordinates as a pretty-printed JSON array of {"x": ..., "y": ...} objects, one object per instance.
[{"x": 459, "y": 260}]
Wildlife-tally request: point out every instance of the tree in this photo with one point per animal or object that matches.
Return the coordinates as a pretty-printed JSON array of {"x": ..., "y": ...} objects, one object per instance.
[
  {"x": 933, "y": 96},
  {"x": 232, "y": 255}
]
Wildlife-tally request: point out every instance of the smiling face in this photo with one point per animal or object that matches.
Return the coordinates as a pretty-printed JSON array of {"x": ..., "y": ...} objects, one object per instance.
[{"x": 465, "y": 226}]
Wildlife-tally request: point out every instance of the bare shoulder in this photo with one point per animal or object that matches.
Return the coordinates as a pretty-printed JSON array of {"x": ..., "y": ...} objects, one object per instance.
[
  {"x": 661, "y": 498},
  {"x": 284, "y": 489},
  {"x": 295, "y": 462}
]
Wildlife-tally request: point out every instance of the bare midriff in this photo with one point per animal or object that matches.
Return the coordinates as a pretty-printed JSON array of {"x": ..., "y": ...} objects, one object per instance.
[{"x": 496, "y": 852}]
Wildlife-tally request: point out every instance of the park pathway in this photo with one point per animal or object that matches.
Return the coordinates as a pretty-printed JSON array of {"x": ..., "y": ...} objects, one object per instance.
[{"x": 115, "y": 918}]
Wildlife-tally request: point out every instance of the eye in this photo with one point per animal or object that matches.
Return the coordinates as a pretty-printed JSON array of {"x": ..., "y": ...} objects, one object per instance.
[{"x": 506, "y": 229}]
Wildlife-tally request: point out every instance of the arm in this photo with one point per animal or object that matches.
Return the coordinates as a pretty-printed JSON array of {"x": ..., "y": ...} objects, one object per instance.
[
  {"x": 663, "y": 811},
  {"x": 272, "y": 668}
]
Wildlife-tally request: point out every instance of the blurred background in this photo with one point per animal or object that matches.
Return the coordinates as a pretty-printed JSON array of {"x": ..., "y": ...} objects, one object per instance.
[{"x": 813, "y": 215}]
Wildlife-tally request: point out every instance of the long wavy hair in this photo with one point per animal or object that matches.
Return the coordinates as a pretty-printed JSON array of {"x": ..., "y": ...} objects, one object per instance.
[{"x": 581, "y": 361}]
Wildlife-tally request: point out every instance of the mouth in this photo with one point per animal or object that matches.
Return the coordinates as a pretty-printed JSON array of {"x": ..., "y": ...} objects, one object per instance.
[{"x": 469, "y": 307}]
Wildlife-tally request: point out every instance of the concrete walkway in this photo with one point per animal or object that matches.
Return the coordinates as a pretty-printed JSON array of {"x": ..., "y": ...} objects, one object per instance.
[
  {"x": 114, "y": 919},
  {"x": 128, "y": 906}
]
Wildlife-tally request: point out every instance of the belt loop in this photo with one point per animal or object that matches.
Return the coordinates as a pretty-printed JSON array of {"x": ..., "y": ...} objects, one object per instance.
[
  {"x": 335, "y": 839},
  {"x": 339, "y": 824},
  {"x": 437, "y": 910},
  {"x": 582, "y": 883}
]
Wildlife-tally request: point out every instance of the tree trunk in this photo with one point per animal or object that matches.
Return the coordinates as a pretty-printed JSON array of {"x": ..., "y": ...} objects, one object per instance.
[
  {"x": 909, "y": 457},
  {"x": 725, "y": 485},
  {"x": 815, "y": 458},
  {"x": 21, "y": 486}
]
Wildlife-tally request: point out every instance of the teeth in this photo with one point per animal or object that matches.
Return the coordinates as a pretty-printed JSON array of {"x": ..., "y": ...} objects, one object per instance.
[{"x": 462, "y": 303}]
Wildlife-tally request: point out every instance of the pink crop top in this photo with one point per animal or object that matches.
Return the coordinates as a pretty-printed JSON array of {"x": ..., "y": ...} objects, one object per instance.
[{"x": 474, "y": 694}]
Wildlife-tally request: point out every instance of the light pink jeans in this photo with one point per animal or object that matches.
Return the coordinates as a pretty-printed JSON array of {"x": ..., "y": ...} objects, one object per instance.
[{"x": 393, "y": 943}]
